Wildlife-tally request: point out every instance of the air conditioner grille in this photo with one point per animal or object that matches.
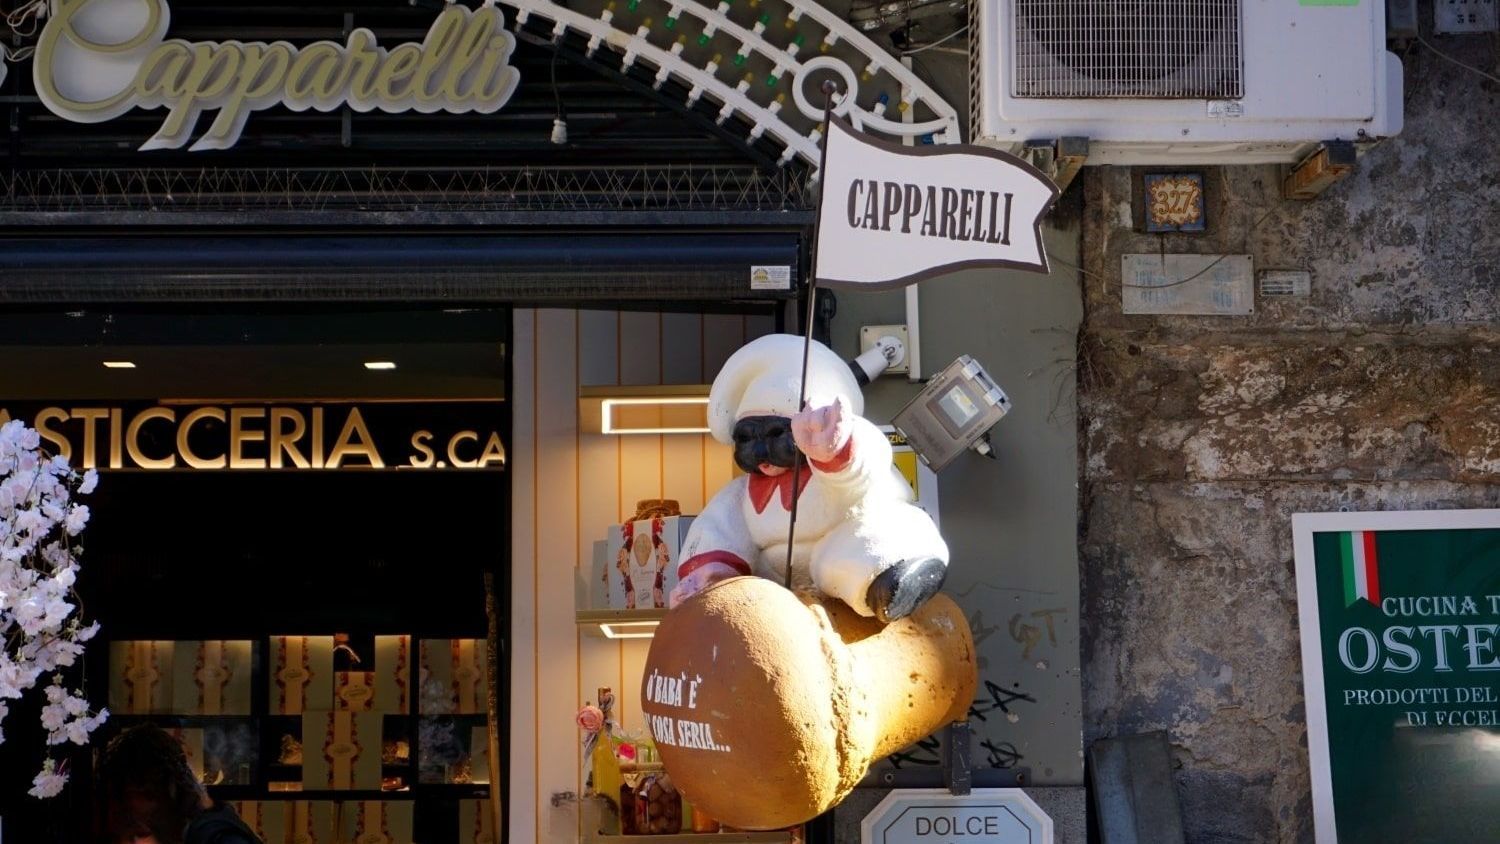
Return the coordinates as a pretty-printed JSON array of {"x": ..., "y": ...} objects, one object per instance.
[{"x": 1160, "y": 49}]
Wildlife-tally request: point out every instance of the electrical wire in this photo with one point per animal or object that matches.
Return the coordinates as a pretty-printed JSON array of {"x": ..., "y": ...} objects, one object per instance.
[
  {"x": 27, "y": 15},
  {"x": 1451, "y": 60},
  {"x": 1056, "y": 260},
  {"x": 945, "y": 39},
  {"x": 1215, "y": 262},
  {"x": 560, "y": 113}
]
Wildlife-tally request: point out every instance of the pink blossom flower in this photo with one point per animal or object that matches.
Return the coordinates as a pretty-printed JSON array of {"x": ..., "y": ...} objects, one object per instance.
[
  {"x": 590, "y": 719},
  {"x": 49, "y": 782}
]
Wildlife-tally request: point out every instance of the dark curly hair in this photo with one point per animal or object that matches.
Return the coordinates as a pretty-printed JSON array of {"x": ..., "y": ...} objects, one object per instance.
[{"x": 147, "y": 786}]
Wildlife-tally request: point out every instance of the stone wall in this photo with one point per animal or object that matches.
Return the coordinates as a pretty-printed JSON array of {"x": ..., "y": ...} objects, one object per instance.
[{"x": 1202, "y": 435}]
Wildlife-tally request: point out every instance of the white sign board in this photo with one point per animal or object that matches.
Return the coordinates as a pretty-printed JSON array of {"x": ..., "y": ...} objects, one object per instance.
[
  {"x": 892, "y": 215},
  {"x": 930, "y": 816}
]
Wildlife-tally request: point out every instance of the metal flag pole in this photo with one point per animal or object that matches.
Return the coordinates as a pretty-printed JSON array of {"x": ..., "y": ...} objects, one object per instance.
[{"x": 829, "y": 89}]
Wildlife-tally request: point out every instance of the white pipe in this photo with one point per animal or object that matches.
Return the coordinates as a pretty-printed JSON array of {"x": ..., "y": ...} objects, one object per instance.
[
  {"x": 913, "y": 299},
  {"x": 913, "y": 335}
]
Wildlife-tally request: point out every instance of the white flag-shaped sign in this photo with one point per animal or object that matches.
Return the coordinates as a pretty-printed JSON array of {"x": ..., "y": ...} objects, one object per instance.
[{"x": 893, "y": 215}]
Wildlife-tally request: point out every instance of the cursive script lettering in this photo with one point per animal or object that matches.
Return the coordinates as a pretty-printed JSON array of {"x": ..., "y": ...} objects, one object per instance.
[{"x": 94, "y": 63}]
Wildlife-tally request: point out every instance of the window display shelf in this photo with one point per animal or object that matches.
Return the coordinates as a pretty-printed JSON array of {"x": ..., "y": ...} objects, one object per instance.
[{"x": 620, "y": 624}]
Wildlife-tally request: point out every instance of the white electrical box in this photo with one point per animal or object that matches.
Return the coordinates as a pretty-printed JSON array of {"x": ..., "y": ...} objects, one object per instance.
[{"x": 1182, "y": 81}]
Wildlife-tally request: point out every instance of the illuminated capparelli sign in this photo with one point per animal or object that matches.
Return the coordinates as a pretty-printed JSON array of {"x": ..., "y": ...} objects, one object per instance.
[
  {"x": 456, "y": 435},
  {"x": 98, "y": 59}
]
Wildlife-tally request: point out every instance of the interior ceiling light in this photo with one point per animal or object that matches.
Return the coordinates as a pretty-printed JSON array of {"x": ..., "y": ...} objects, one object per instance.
[
  {"x": 628, "y": 629},
  {"x": 667, "y": 415},
  {"x": 380, "y": 364},
  {"x": 668, "y": 409},
  {"x": 119, "y": 364}
]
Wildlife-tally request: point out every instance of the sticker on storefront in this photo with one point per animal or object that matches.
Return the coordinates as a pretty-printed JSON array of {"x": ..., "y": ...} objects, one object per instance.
[
  {"x": 771, "y": 278},
  {"x": 1226, "y": 108},
  {"x": 1400, "y": 614},
  {"x": 97, "y": 60}
]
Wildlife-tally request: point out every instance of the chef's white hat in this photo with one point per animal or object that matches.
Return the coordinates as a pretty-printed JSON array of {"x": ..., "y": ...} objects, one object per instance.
[{"x": 763, "y": 379}]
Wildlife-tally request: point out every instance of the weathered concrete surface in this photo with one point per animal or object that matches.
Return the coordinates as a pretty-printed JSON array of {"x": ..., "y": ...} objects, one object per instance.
[{"x": 1201, "y": 435}]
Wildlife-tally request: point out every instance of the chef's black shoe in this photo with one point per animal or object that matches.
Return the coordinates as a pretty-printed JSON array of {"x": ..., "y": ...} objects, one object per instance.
[{"x": 900, "y": 589}]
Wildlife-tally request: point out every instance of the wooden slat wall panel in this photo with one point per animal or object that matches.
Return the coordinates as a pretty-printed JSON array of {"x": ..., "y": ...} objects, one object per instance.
[
  {"x": 523, "y": 782},
  {"x": 598, "y": 499},
  {"x": 598, "y": 339},
  {"x": 557, "y": 561},
  {"x": 569, "y": 488}
]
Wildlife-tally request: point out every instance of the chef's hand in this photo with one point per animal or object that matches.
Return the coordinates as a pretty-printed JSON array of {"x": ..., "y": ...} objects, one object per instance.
[
  {"x": 822, "y": 432},
  {"x": 701, "y": 578}
]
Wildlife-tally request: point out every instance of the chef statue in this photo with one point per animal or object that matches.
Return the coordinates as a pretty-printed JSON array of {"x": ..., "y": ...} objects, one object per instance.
[{"x": 858, "y": 538}]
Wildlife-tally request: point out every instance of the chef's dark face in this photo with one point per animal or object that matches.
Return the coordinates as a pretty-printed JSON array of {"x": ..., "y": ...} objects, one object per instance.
[{"x": 764, "y": 444}]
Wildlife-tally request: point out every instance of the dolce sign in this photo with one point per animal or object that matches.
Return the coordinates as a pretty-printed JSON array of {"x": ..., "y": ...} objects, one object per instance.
[
  {"x": 921, "y": 816},
  {"x": 97, "y": 59}
]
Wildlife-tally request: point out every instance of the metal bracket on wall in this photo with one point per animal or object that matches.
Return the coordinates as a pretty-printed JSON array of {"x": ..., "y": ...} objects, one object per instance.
[
  {"x": 956, "y": 775},
  {"x": 1060, "y": 159},
  {"x": 1326, "y": 166},
  {"x": 951, "y": 768}
]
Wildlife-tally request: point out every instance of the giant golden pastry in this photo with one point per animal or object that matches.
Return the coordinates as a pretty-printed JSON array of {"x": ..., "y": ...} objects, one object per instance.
[{"x": 768, "y": 706}]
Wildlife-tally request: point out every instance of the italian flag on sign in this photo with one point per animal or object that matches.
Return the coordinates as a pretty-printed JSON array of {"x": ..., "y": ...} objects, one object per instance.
[{"x": 1361, "y": 567}]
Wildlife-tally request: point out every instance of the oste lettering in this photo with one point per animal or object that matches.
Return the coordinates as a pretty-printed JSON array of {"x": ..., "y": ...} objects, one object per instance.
[
  {"x": 955, "y": 825},
  {"x": 1402, "y": 649}
]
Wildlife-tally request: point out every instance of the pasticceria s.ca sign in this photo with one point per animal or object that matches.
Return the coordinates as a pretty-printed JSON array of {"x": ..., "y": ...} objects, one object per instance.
[
  {"x": 98, "y": 59},
  {"x": 427, "y": 435}
]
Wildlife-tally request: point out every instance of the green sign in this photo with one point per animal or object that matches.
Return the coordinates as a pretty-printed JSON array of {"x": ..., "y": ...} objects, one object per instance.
[{"x": 1400, "y": 618}]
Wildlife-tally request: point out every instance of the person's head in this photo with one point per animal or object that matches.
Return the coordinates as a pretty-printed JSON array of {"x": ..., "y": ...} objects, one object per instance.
[{"x": 149, "y": 792}]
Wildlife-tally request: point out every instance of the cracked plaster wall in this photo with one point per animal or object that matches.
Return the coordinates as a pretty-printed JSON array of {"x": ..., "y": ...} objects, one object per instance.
[{"x": 1202, "y": 435}]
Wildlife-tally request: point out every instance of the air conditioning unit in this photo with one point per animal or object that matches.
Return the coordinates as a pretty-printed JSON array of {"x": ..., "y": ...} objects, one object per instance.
[{"x": 1152, "y": 82}]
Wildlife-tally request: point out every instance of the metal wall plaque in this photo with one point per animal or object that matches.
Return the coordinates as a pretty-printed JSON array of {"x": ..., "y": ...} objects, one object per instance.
[{"x": 1216, "y": 285}]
